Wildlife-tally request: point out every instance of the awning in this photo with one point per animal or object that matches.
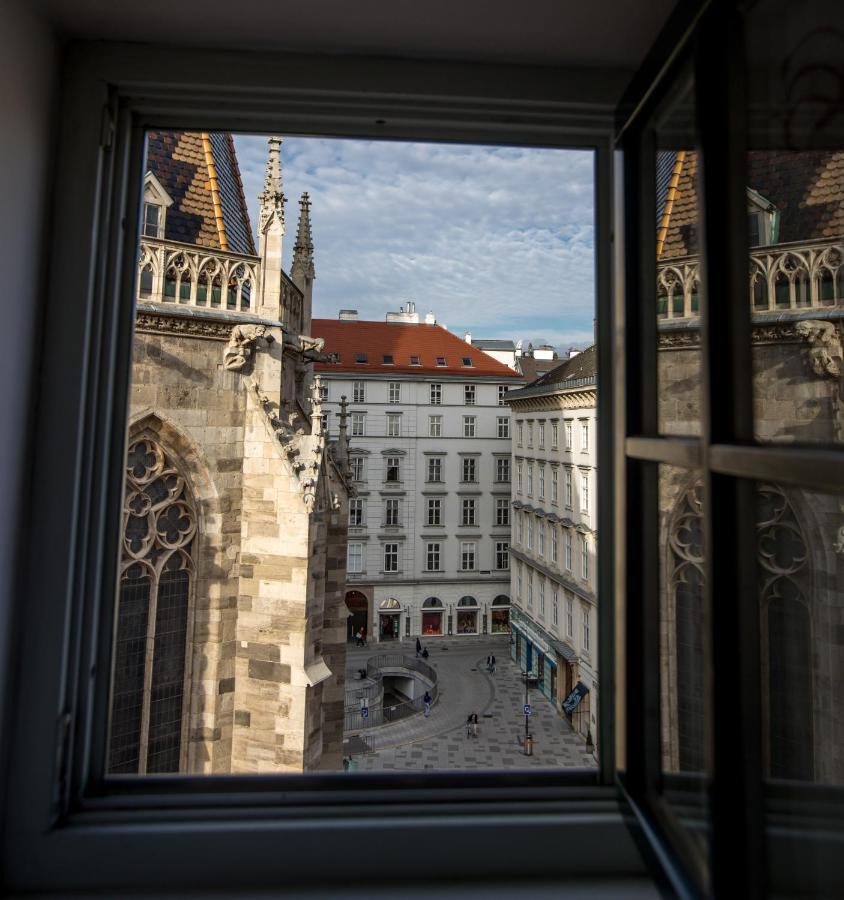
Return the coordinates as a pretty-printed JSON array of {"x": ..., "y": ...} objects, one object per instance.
[{"x": 564, "y": 650}]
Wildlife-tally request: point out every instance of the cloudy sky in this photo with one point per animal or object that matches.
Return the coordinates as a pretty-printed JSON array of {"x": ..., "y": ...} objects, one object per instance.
[{"x": 496, "y": 241}]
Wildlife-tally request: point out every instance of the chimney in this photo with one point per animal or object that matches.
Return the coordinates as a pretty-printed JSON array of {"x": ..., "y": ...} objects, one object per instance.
[
  {"x": 348, "y": 315},
  {"x": 468, "y": 337},
  {"x": 430, "y": 318}
]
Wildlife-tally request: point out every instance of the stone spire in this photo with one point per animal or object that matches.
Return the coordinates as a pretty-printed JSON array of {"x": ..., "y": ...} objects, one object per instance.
[
  {"x": 271, "y": 233},
  {"x": 272, "y": 197},
  {"x": 303, "y": 249},
  {"x": 342, "y": 451},
  {"x": 302, "y": 270}
]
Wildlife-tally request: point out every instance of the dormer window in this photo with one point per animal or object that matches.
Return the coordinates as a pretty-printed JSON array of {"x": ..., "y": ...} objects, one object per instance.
[
  {"x": 441, "y": 362},
  {"x": 763, "y": 220},
  {"x": 156, "y": 203}
]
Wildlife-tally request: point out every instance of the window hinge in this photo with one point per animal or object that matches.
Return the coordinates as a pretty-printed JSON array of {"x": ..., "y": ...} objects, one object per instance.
[
  {"x": 107, "y": 128},
  {"x": 61, "y": 783}
]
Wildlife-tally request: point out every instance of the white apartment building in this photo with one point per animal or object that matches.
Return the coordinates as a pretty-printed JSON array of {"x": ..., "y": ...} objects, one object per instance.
[
  {"x": 429, "y": 430},
  {"x": 555, "y": 615}
]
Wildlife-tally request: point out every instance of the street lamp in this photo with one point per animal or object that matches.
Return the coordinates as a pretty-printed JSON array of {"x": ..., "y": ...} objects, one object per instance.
[{"x": 528, "y": 742}]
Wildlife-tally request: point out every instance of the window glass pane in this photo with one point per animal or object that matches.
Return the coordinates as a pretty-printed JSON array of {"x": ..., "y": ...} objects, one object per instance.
[
  {"x": 678, "y": 291},
  {"x": 684, "y": 652}
]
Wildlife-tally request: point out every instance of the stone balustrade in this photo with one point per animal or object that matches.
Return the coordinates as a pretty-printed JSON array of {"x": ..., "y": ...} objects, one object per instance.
[
  {"x": 794, "y": 277},
  {"x": 172, "y": 272}
]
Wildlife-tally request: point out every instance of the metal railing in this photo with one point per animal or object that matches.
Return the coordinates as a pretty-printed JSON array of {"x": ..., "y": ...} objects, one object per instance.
[
  {"x": 798, "y": 277},
  {"x": 387, "y": 713}
]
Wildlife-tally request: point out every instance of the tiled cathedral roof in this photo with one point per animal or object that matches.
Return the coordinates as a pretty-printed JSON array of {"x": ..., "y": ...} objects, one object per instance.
[
  {"x": 180, "y": 160},
  {"x": 807, "y": 187},
  {"x": 401, "y": 341}
]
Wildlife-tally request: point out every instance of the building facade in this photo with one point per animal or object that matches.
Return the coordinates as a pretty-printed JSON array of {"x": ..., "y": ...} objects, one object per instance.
[
  {"x": 429, "y": 527},
  {"x": 229, "y": 648},
  {"x": 554, "y": 547}
]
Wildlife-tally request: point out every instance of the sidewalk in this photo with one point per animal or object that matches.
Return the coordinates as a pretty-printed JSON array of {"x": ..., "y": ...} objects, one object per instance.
[{"x": 440, "y": 741}]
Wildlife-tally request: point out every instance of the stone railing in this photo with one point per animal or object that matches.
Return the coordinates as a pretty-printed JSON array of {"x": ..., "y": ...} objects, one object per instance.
[
  {"x": 171, "y": 272},
  {"x": 794, "y": 277}
]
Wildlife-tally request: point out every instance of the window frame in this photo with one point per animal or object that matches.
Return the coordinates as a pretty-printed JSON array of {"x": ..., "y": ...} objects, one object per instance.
[{"x": 111, "y": 94}]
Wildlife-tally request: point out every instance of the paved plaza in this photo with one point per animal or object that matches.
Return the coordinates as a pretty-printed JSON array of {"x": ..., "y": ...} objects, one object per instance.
[{"x": 440, "y": 742}]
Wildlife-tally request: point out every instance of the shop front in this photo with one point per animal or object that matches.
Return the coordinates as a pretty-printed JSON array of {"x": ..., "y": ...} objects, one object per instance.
[
  {"x": 501, "y": 614},
  {"x": 432, "y": 617},
  {"x": 467, "y": 616},
  {"x": 389, "y": 620},
  {"x": 358, "y": 621}
]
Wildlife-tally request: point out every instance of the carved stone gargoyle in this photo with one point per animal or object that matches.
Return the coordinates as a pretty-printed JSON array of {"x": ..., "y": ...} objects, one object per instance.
[{"x": 241, "y": 345}]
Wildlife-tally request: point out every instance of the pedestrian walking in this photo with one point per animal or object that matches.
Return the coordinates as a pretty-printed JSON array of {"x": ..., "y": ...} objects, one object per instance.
[
  {"x": 424, "y": 653},
  {"x": 418, "y": 647},
  {"x": 489, "y": 664},
  {"x": 492, "y": 664},
  {"x": 361, "y": 638},
  {"x": 427, "y": 701},
  {"x": 472, "y": 725}
]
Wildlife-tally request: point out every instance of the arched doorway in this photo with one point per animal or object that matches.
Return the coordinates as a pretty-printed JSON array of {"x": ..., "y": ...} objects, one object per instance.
[
  {"x": 358, "y": 606},
  {"x": 501, "y": 614},
  {"x": 432, "y": 616},
  {"x": 389, "y": 620},
  {"x": 467, "y": 615}
]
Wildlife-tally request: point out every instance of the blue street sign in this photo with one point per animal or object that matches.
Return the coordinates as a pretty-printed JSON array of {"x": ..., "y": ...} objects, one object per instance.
[
  {"x": 364, "y": 712},
  {"x": 527, "y": 709}
]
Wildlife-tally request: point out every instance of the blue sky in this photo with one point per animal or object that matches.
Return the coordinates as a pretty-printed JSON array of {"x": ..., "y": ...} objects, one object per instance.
[{"x": 498, "y": 241}]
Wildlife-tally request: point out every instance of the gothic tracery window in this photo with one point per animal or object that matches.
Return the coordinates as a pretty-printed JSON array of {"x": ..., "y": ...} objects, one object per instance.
[{"x": 156, "y": 574}]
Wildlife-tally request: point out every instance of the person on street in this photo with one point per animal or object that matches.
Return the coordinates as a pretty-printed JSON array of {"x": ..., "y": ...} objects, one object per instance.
[
  {"x": 418, "y": 647},
  {"x": 472, "y": 725},
  {"x": 492, "y": 664},
  {"x": 427, "y": 701},
  {"x": 489, "y": 664},
  {"x": 425, "y": 653}
]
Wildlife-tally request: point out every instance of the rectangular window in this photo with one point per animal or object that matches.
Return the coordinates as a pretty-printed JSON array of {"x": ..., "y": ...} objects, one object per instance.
[
  {"x": 467, "y": 556},
  {"x": 435, "y": 511},
  {"x": 568, "y": 550},
  {"x": 520, "y": 520},
  {"x": 435, "y": 469},
  {"x": 435, "y": 426},
  {"x": 393, "y": 468},
  {"x": 467, "y": 361},
  {"x": 569, "y": 500},
  {"x": 388, "y": 359},
  {"x": 469, "y": 394},
  {"x": 530, "y": 588},
  {"x": 519, "y": 585},
  {"x": 584, "y": 611},
  {"x": 555, "y": 484},
  {"x": 568, "y": 436},
  {"x": 395, "y": 392},
  {"x": 323, "y": 392},
  {"x": 555, "y": 543},
  {"x": 441, "y": 363},
  {"x": 391, "y": 512},
  {"x": 503, "y": 426},
  {"x": 359, "y": 392},
  {"x": 393, "y": 425},
  {"x": 555, "y": 435},
  {"x": 541, "y": 435},
  {"x": 432, "y": 556},
  {"x": 541, "y": 596},
  {"x": 502, "y": 511},
  {"x": 152, "y": 215},
  {"x": 519, "y": 477},
  {"x": 354, "y": 558},
  {"x": 468, "y": 426},
  {"x": 356, "y": 511},
  {"x": 569, "y": 617},
  {"x": 555, "y": 606},
  {"x": 530, "y": 479},
  {"x": 435, "y": 394},
  {"x": 468, "y": 511},
  {"x": 541, "y": 534},
  {"x": 323, "y": 421},
  {"x": 584, "y": 436},
  {"x": 584, "y": 487},
  {"x": 541, "y": 482},
  {"x": 391, "y": 557},
  {"x": 415, "y": 360},
  {"x": 470, "y": 469},
  {"x": 520, "y": 430},
  {"x": 502, "y": 394},
  {"x": 360, "y": 358},
  {"x": 529, "y": 531},
  {"x": 584, "y": 558},
  {"x": 502, "y": 469},
  {"x": 357, "y": 464},
  {"x": 358, "y": 424},
  {"x": 502, "y": 555},
  {"x": 530, "y": 433}
]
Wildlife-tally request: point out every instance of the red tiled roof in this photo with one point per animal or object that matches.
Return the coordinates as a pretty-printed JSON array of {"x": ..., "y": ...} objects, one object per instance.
[
  {"x": 807, "y": 187},
  {"x": 377, "y": 339}
]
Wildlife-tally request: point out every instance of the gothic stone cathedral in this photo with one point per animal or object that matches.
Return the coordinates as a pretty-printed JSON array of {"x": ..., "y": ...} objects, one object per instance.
[{"x": 230, "y": 636}]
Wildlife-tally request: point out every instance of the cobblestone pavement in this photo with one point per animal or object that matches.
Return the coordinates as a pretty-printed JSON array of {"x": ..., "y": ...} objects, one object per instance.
[{"x": 440, "y": 742}]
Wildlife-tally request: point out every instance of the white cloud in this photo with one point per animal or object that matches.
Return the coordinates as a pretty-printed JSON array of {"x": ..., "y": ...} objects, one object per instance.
[{"x": 497, "y": 241}]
